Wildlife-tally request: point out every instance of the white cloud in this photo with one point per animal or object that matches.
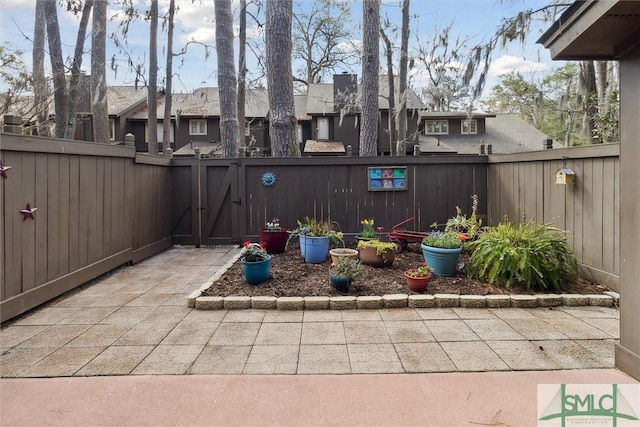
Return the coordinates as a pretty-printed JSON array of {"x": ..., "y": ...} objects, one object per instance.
[{"x": 508, "y": 63}]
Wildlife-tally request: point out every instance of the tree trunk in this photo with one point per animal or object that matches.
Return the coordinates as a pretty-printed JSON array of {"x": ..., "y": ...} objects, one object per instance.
[
  {"x": 388, "y": 52},
  {"x": 227, "y": 83},
  {"x": 589, "y": 93},
  {"x": 168, "y": 90},
  {"x": 242, "y": 72},
  {"x": 152, "y": 96},
  {"x": 282, "y": 119},
  {"x": 39, "y": 80},
  {"x": 74, "y": 82},
  {"x": 60, "y": 94},
  {"x": 370, "y": 65},
  {"x": 99, "y": 106},
  {"x": 401, "y": 149}
]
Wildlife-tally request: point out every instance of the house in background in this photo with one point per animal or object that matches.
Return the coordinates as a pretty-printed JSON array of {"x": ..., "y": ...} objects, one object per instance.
[
  {"x": 328, "y": 122},
  {"x": 335, "y": 110},
  {"x": 458, "y": 133},
  {"x": 122, "y": 102}
]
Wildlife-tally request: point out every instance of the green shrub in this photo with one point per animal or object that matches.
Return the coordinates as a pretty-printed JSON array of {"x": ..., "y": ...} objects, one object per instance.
[
  {"x": 535, "y": 256},
  {"x": 446, "y": 240}
]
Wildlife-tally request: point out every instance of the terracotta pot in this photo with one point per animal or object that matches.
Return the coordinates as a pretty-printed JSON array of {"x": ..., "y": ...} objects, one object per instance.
[
  {"x": 417, "y": 284},
  {"x": 370, "y": 257},
  {"x": 338, "y": 253}
]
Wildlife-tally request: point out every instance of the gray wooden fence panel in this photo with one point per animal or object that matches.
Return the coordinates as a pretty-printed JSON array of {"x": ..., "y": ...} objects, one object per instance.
[
  {"x": 85, "y": 198},
  {"x": 522, "y": 187}
]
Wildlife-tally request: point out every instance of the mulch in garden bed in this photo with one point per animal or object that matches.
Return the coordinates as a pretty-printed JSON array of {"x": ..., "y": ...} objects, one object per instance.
[{"x": 292, "y": 277}]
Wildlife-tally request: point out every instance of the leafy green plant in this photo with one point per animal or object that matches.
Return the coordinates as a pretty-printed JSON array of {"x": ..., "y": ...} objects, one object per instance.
[
  {"x": 315, "y": 228},
  {"x": 422, "y": 271},
  {"x": 446, "y": 240},
  {"x": 381, "y": 247},
  {"x": 348, "y": 267},
  {"x": 367, "y": 229},
  {"x": 536, "y": 256},
  {"x": 471, "y": 225},
  {"x": 253, "y": 252}
]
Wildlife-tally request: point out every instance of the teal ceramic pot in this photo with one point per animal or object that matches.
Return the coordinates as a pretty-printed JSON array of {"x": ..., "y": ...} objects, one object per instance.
[
  {"x": 256, "y": 272},
  {"x": 443, "y": 261}
]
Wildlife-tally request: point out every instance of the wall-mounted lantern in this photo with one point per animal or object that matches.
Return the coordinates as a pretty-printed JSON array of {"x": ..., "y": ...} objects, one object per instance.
[{"x": 565, "y": 175}]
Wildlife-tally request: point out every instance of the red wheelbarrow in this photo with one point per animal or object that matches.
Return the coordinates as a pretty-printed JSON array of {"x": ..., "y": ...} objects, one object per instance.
[{"x": 402, "y": 237}]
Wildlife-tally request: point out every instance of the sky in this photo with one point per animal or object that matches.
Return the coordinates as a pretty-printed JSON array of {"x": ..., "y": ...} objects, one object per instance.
[{"x": 474, "y": 19}]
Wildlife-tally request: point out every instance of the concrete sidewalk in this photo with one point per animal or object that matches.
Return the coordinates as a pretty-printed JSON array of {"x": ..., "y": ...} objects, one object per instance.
[
  {"x": 453, "y": 399},
  {"x": 135, "y": 321}
]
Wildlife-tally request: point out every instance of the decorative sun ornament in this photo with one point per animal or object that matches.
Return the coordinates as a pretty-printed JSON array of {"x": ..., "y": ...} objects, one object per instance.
[{"x": 268, "y": 179}]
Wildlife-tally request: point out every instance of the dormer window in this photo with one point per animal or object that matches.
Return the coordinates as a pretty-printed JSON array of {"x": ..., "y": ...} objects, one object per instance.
[
  {"x": 469, "y": 127},
  {"x": 437, "y": 127}
]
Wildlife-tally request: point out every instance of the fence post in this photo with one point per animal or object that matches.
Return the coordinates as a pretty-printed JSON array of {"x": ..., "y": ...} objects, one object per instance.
[
  {"x": 349, "y": 150},
  {"x": 129, "y": 140},
  {"x": 169, "y": 152}
]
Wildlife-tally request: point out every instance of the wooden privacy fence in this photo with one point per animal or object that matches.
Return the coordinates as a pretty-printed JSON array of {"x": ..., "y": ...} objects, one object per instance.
[
  {"x": 225, "y": 201},
  {"x": 522, "y": 187},
  {"x": 98, "y": 207}
]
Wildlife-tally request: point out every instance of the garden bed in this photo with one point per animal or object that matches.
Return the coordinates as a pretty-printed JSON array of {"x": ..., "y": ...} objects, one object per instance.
[{"x": 291, "y": 277}]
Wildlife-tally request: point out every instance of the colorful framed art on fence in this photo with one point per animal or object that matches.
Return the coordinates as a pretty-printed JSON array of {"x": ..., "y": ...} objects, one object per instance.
[{"x": 387, "y": 178}]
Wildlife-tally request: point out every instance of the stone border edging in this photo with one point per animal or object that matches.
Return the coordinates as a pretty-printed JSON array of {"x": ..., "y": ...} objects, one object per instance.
[{"x": 196, "y": 300}]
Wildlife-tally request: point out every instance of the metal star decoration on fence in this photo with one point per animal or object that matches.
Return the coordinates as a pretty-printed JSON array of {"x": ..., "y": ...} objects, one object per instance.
[
  {"x": 28, "y": 212},
  {"x": 3, "y": 169}
]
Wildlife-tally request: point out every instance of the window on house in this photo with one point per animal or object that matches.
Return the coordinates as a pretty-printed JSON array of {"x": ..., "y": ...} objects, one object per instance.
[
  {"x": 437, "y": 127},
  {"x": 299, "y": 130},
  {"x": 112, "y": 130},
  {"x": 323, "y": 128},
  {"x": 197, "y": 127},
  {"x": 469, "y": 127},
  {"x": 159, "y": 133},
  {"x": 247, "y": 129}
]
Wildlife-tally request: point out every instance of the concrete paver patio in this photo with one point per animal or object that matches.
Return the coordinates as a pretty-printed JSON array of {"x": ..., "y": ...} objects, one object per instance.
[
  {"x": 127, "y": 350},
  {"x": 135, "y": 321}
]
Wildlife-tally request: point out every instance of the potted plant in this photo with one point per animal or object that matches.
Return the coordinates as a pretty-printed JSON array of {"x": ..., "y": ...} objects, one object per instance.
[
  {"x": 468, "y": 228},
  {"x": 376, "y": 253},
  {"x": 256, "y": 263},
  {"x": 315, "y": 238},
  {"x": 273, "y": 237},
  {"x": 418, "y": 278},
  {"x": 367, "y": 232},
  {"x": 441, "y": 251},
  {"x": 338, "y": 253},
  {"x": 342, "y": 274}
]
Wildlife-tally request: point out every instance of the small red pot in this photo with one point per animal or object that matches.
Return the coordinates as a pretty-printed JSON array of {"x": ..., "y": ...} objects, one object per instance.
[{"x": 417, "y": 284}]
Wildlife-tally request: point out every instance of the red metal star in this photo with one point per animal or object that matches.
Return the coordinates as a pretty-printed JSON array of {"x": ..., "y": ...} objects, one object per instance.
[
  {"x": 28, "y": 212},
  {"x": 3, "y": 169}
]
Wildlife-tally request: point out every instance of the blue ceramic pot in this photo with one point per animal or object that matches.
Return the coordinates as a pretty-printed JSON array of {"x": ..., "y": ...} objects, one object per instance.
[
  {"x": 256, "y": 272},
  {"x": 340, "y": 283},
  {"x": 314, "y": 249},
  {"x": 443, "y": 261}
]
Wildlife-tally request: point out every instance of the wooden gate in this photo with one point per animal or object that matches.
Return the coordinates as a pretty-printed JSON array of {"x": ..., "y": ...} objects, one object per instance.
[{"x": 207, "y": 201}]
